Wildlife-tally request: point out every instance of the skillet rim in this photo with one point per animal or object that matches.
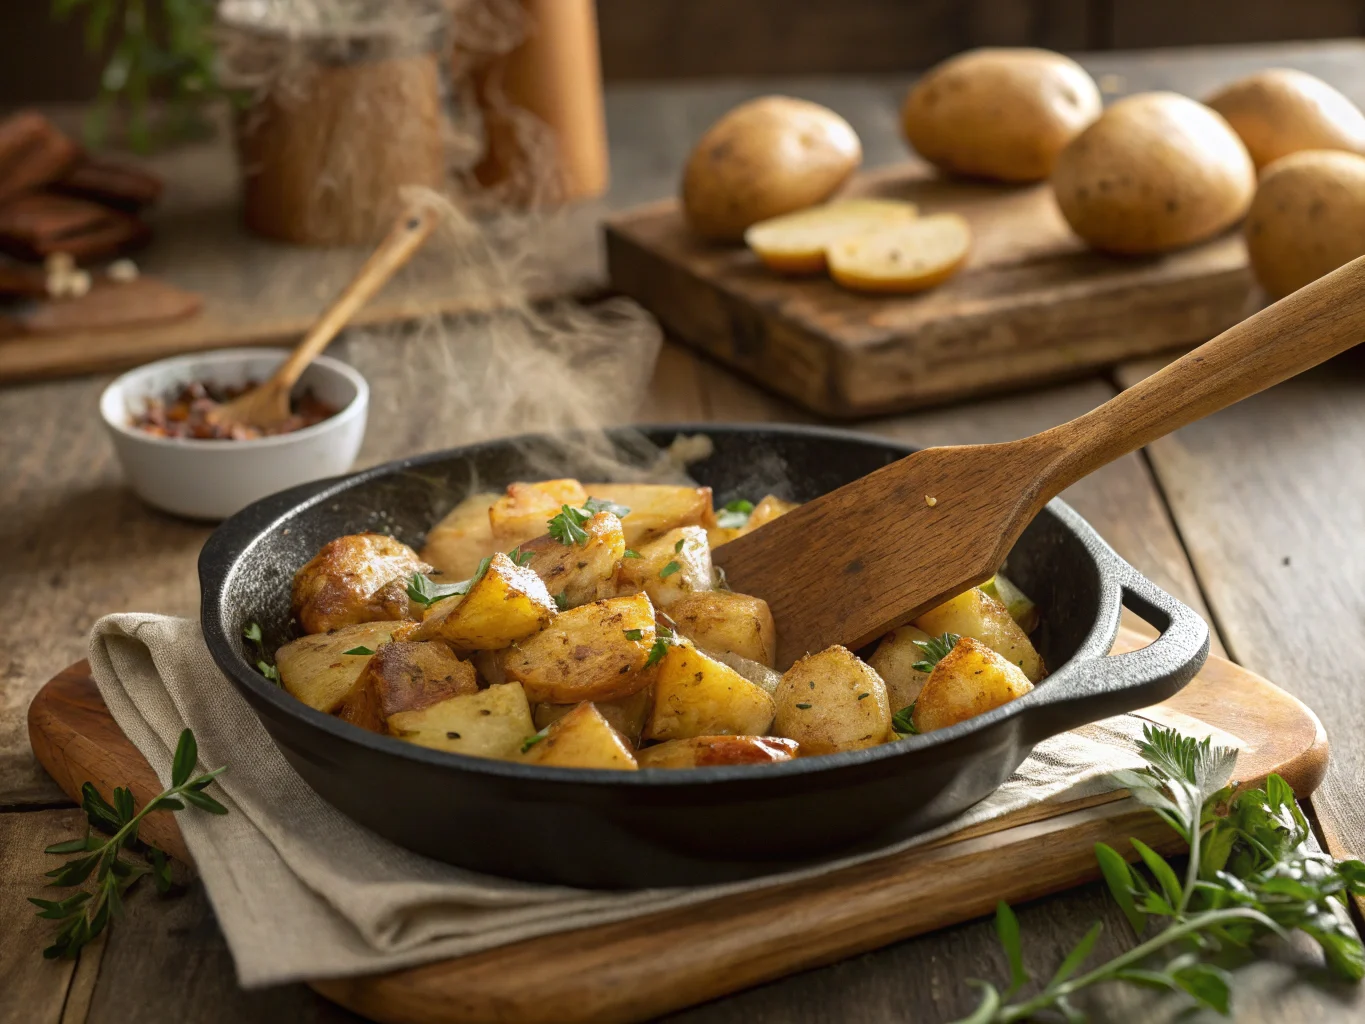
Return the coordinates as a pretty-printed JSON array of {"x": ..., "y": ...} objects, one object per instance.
[{"x": 233, "y": 540}]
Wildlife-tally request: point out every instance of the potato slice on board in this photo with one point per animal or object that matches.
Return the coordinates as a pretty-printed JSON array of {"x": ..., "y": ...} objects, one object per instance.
[
  {"x": 696, "y": 695},
  {"x": 316, "y": 668},
  {"x": 909, "y": 257},
  {"x": 491, "y": 723},
  {"x": 832, "y": 701},
  {"x": 503, "y": 605},
  {"x": 581, "y": 739},
  {"x": 795, "y": 243},
  {"x": 969, "y": 680},
  {"x": 707, "y": 751}
]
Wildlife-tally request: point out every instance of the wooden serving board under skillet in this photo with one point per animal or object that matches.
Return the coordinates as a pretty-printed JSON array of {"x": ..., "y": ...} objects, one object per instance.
[
  {"x": 634, "y": 970},
  {"x": 1033, "y": 303}
]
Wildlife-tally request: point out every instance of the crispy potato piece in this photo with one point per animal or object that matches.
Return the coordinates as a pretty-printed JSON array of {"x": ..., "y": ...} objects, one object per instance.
[
  {"x": 656, "y": 508},
  {"x": 831, "y": 701},
  {"x": 695, "y": 695},
  {"x": 720, "y": 620},
  {"x": 767, "y": 510},
  {"x": 978, "y": 615},
  {"x": 457, "y": 544},
  {"x": 593, "y": 652},
  {"x": 627, "y": 715},
  {"x": 490, "y": 723},
  {"x": 581, "y": 739},
  {"x": 523, "y": 511},
  {"x": 755, "y": 671},
  {"x": 359, "y": 578},
  {"x": 669, "y": 568},
  {"x": 1020, "y": 606},
  {"x": 504, "y": 605},
  {"x": 969, "y": 680},
  {"x": 316, "y": 668},
  {"x": 705, "y": 751},
  {"x": 581, "y": 572},
  {"x": 894, "y": 661},
  {"x": 406, "y": 676}
]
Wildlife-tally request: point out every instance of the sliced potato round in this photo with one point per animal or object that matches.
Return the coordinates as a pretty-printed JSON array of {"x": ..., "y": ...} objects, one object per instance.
[
  {"x": 909, "y": 257},
  {"x": 795, "y": 243}
]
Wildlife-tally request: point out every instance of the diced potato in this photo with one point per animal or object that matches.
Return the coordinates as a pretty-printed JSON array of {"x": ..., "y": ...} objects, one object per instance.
[
  {"x": 463, "y": 538},
  {"x": 358, "y": 578},
  {"x": 706, "y": 751},
  {"x": 1021, "y": 608},
  {"x": 695, "y": 695},
  {"x": 969, "y": 680},
  {"x": 593, "y": 652},
  {"x": 488, "y": 665},
  {"x": 316, "y": 668},
  {"x": 894, "y": 661},
  {"x": 406, "y": 676},
  {"x": 580, "y": 572},
  {"x": 491, "y": 723},
  {"x": 982, "y": 617},
  {"x": 720, "y": 620},
  {"x": 627, "y": 715},
  {"x": 581, "y": 739},
  {"x": 669, "y": 568},
  {"x": 524, "y": 511},
  {"x": 504, "y": 605},
  {"x": 655, "y": 508},
  {"x": 767, "y": 510},
  {"x": 832, "y": 701},
  {"x": 755, "y": 671}
]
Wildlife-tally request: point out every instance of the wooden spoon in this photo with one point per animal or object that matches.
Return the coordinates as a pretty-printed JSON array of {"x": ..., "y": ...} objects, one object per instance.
[
  {"x": 267, "y": 406},
  {"x": 852, "y": 564}
]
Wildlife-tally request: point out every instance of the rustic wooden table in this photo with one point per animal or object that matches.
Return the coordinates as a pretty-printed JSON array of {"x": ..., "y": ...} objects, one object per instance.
[{"x": 1255, "y": 515}]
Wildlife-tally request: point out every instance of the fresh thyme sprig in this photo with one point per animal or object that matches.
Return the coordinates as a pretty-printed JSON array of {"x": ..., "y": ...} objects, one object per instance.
[
  {"x": 1252, "y": 872},
  {"x": 266, "y": 667},
  {"x": 567, "y": 526},
  {"x": 84, "y": 915},
  {"x": 935, "y": 650},
  {"x": 903, "y": 721}
]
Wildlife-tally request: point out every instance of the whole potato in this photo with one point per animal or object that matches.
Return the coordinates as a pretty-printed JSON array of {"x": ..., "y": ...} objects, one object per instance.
[
  {"x": 999, "y": 113},
  {"x": 1157, "y": 171},
  {"x": 1307, "y": 219},
  {"x": 766, "y": 157},
  {"x": 1282, "y": 111}
]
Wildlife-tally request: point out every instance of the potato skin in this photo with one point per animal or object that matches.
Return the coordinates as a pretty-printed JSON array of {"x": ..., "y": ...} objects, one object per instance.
[
  {"x": 358, "y": 578},
  {"x": 695, "y": 695},
  {"x": 585, "y": 653},
  {"x": 766, "y": 157},
  {"x": 969, "y": 680},
  {"x": 1281, "y": 111},
  {"x": 1000, "y": 113},
  {"x": 976, "y": 614},
  {"x": 316, "y": 668},
  {"x": 1307, "y": 219},
  {"x": 821, "y": 703},
  {"x": 488, "y": 723},
  {"x": 406, "y": 676},
  {"x": 726, "y": 622},
  {"x": 504, "y": 605},
  {"x": 708, "y": 751},
  {"x": 581, "y": 739},
  {"x": 1156, "y": 171}
]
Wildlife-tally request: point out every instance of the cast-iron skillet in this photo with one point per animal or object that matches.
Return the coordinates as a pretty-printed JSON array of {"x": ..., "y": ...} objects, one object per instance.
[{"x": 610, "y": 829}]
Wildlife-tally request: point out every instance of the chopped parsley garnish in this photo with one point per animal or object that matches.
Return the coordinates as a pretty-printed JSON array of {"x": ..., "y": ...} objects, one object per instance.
[
  {"x": 662, "y": 640},
  {"x": 677, "y": 548},
  {"x": 561, "y": 600},
  {"x": 735, "y": 515},
  {"x": 521, "y": 558},
  {"x": 427, "y": 592},
  {"x": 567, "y": 526},
  {"x": 804, "y": 707},
  {"x": 358, "y": 650},
  {"x": 635, "y": 634},
  {"x": 903, "y": 721},
  {"x": 935, "y": 649},
  {"x": 252, "y": 632},
  {"x": 669, "y": 570},
  {"x": 632, "y": 553},
  {"x": 595, "y": 505},
  {"x": 531, "y": 741},
  {"x": 863, "y": 695},
  {"x": 268, "y": 670}
]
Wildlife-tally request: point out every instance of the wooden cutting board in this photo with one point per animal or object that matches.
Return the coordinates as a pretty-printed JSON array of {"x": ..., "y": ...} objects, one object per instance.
[
  {"x": 1033, "y": 303},
  {"x": 634, "y": 970}
]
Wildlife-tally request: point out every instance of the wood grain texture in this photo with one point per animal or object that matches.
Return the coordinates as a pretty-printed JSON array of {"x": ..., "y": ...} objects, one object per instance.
[{"x": 635, "y": 969}]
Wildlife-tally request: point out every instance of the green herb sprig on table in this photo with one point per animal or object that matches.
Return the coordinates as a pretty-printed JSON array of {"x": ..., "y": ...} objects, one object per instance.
[
  {"x": 935, "y": 650},
  {"x": 1252, "y": 873},
  {"x": 86, "y": 915},
  {"x": 567, "y": 525}
]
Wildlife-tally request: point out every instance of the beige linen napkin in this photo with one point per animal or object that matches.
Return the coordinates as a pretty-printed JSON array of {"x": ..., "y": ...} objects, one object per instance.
[{"x": 301, "y": 891}]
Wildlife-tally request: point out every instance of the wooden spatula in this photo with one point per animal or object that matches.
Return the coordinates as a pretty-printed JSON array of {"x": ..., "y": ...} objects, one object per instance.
[
  {"x": 267, "y": 406},
  {"x": 871, "y": 555}
]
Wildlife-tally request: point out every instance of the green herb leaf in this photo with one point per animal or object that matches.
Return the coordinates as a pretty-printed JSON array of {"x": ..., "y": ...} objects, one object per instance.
[
  {"x": 635, "y": 634},
  {"x": 804, "y": 707},
  {"x": 1163, "y": 872},
  {"x": 531, "y": 741},
  {"x": 903, "y": 721},
  {"x": 594, "y": 505},
  {"x": 268, "y": 670},
  {"x": 425, "y": 592},
  {"x": 632, "y": 553},
  {"x": 677, "y": 548},
  {"x": 987, "y": 1011},
  {"x": 1078, "y": 955},
  {"x": 735, "y": 515},
  {"x": 561, "y": 600},
  {"x": 70, "y": 846},
  {"x": 1210, "y": 985},
  {"x": 935, "y": 649},
  {"x": 669, "y": 570},
  {"x": 1007, "y": 929},
  {"x": 252, "y": 631},
  {"x": 567, "y": 526},
  {"x": 186, "y": 757},
  {"x": 358, "y": 650},
  {"x": 1119, "y": 877},
  {"x": 521, "y": 558},
  {"x": 658, "y": 649}
]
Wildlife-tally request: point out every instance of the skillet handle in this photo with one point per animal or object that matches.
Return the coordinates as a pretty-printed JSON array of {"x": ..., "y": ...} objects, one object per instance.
[{"x": 1114, "y": 684}]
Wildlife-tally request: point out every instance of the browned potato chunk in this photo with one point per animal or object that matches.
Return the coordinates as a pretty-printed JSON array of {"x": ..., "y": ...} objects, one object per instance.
[
  {"x": 695, "y": 695},
  {"x": 977, "y": 614},
  {"x": 461, "y": 540},
  {"x": 359, "y": 578},
  {"x": 722, "y": 621},
  {"x": 969, "y": 680},
  {"x": 317, "y": 670},
  {"x": 669, "y": 568},
  {"x": 627, "y": 715},
  {"x": 655, "y": 508},
  {"x": 706, "y": 751},
  {"x": 504, "y": 605},
  {"x": 488, "y": 665},
  {"x": 594, "y": 652},
  {"x": 581, "y": 739},
  {"x": 831, "y": 701},
  {"x": 490, "y": 723},
  {"x": 582, "y": 572},
  {"x": 756, "y": 672},
  {"x": 406, "y": 676},
  {"x": 894, "y": 660},
  {"x": 767, "y": 510},
  {"x": 523, "y": 511}
]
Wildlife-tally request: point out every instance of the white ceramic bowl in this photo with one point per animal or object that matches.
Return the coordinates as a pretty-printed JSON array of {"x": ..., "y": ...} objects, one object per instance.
[{"x": 214, "y": 479}]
